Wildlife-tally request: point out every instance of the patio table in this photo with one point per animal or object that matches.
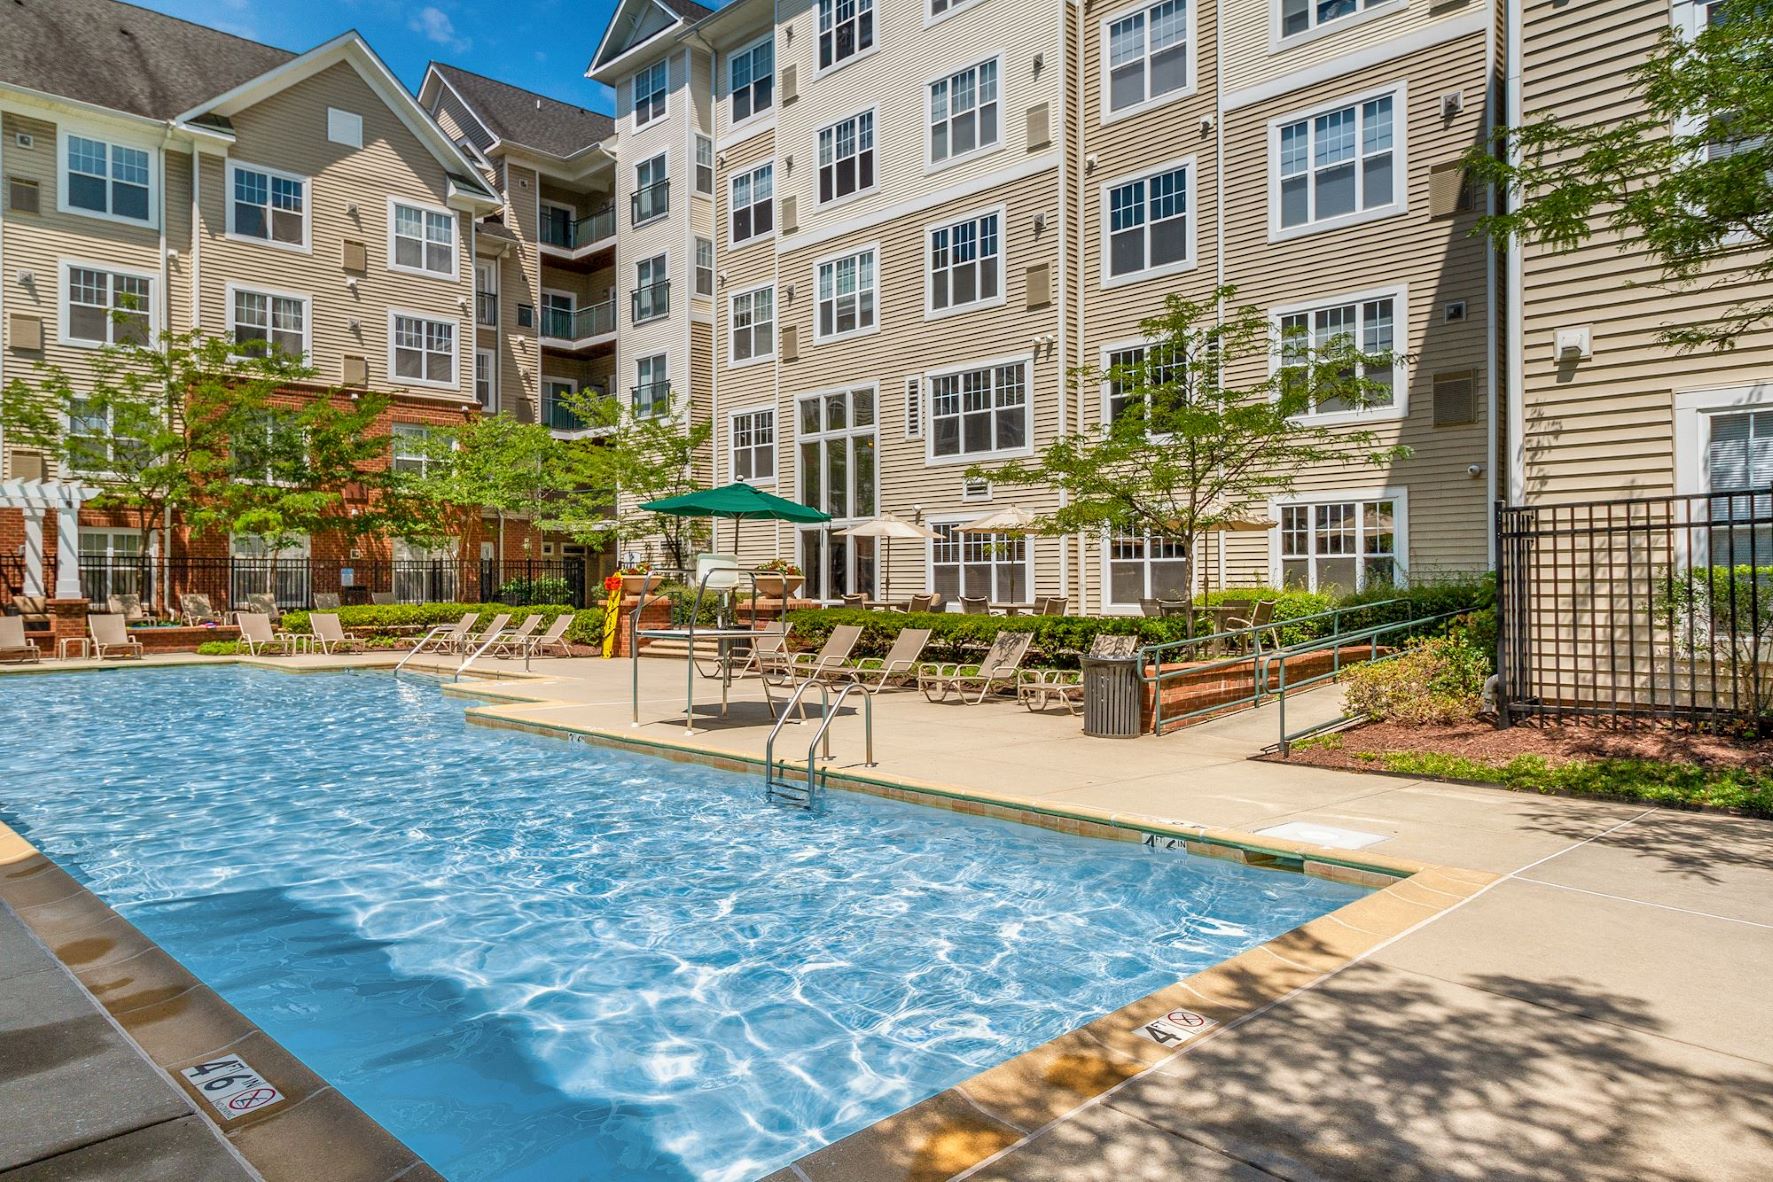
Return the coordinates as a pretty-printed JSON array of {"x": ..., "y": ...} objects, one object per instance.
[{"x": 1013, "y": 609}]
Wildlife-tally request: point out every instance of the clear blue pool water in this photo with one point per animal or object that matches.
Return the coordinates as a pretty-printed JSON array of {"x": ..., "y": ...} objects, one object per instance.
[{"x": 539, "y": 961}]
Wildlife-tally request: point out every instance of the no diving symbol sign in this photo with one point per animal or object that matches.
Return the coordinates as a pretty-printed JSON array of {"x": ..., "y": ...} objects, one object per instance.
[
  {"x": 1177, "y": 1026},
  {"x": 231, "y": 1087}
]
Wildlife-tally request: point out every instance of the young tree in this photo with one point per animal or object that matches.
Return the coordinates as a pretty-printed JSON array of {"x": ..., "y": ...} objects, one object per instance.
[
  {"x": 647, "y": 458},
  {"x": 152, "y": 425},
  {"x": 1689, "y": 179},
  {"x": 1208, "y": 430}
]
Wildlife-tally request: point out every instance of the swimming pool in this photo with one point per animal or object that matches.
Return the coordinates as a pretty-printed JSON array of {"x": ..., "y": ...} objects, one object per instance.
[{"x": 537, "y": 960}]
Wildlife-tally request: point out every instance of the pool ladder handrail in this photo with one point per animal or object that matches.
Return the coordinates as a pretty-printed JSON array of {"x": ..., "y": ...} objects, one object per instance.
[
  {"x": 792, "y": 793},
  {"x": 434, "y": 633},
  {"x": 477, "y": 653}
]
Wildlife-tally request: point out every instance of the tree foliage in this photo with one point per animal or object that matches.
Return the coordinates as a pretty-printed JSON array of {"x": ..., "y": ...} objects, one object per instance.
[
  {"x": 647, "y": 458},
  {"x": 1689, "y": 178},
  {"x": 494, "y": 462}
]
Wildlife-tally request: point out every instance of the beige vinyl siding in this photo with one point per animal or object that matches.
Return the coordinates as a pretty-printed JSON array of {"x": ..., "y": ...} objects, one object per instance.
[
  {"x": 1253, "y": 55},
  {"x": 287, "y": 133},
  {"x": 1436, "y": 259},
  {"x": 180, "y": 262},
  {"x": 520, "y": 282},
  {"x": 458, "y": 121},
  {"x": 750, "y": 266},
  {"x": 1605, "y": 427}
]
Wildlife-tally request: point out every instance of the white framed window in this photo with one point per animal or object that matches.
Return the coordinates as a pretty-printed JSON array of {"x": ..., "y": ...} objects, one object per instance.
[
  {"x": 421, "y": 239},
  {"x": 1302, "y": 20},
  {"x": 409, "y": 445},
  {"x": 846, "y": 157},
  {"x": 268, "y": 448},
  {"x": 705, "y": 267},
  {"x": 650, "y": 88},
  {"x": 105, "y": 179},
  {"x": 704, "y": 166},
  {"x": 267, "y": 206},
  {"x": 1147, "y": 56},
  {"x": 652, "y": 190},
  {"x": 1348, "y": 541},
  {"x": 846, "y": 29},
  {"x": 963, "y": 112},
  {"x": 846, "y": 294},
  {"x": 1337, "y": 165},
  {"x": 486, "y": 380},
  {"x": 421, "y": 350},
  {"x": 837, "y": 446},
  {"x": 964, "y": 264},
  {"x": 1147, "y": 227},
  {"x": 104, "y": 306},
  {"x": 1371, "y": 321},
  {"x": 980, "y": 410},
  {"x": 998, "y": 567},
  {"x": 1144, "y": 566},
  {"x": 753, "y": 443},
  {"x": 95, "y": 446},
  {"x": 262, "y": 321},
  {"x": 753, "y": 325},
  {"x": 652, "y": 386},
  {"x": 751, "y": 78},
  {"x": 110, "y": 563},
  {"x": 486, "y": 292},
  {"x": 753, "y": 205},
  {"x": 938, "y": 9},
  {"x": 652, "y": 289},
  {"x": 1118, "y": 398}
]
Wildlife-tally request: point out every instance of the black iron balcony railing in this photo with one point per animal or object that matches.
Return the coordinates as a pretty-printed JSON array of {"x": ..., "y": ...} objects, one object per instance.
[
  {"x": 486, "y": 307},
  {"x": 558, "y": 416},
  {"x": 651, "y": 399},
  {"x": 652, "y": 301},
  {"x": 653, "y": 201},
  {"x": 577, "y": 324},
  {"x": 570, "y": 235}
]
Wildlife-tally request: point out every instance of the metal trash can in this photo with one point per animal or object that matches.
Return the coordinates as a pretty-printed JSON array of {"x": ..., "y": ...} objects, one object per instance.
[{"x": 1111, "y": 697}]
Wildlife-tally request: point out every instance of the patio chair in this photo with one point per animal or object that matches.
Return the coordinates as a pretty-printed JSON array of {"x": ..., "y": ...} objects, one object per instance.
[
  {"x": 447, "y": 641},
  {"x": 15, "y": 646},
  {"x": 874, "y": 674},
  {"x": 326, "y": 601},
  {"x": 1053, "y": 605},
  {"x": 975, "y": 605},
  {"x": 513, "y": 640},
  {"x": 196, "y": 609},
  {"x": 1039, "y": 688},
  {"x": 381, "y": 598},
  {"x": 110, "y": 637},
  {"x": 1173, "y": 607},
  {"x": 472, "y": 644},
  {"x": 553, "y": 637},
  {"x": 259, "y": 635},
  {"x": 769, "y": 656},
  {"x": 924, "y": 603},
  {"x": 127, "y": 606},
  {"x": 997, "y": 671},
  {"x": 329, "y": 636},
  {"x": 833, "y": 653},
  {"x": 855, "y": 601},
  {"x": 1259, "y": 617}
]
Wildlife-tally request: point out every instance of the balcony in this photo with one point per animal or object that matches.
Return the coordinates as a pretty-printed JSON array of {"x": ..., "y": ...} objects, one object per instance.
[
  {"x": 654, "y": 201},
  {"x": 558, "y": 416},
  {"x": 651, "y": 399},
  {"x": 578, "y": 330},
  {"x": 486, "y": 308},
  {"x": 652, "y": 302},
  {"x": 583, "y": 243}
]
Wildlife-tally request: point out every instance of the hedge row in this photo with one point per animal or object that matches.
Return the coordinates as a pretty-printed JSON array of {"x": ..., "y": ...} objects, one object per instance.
[{"x": 379, "y": 621}]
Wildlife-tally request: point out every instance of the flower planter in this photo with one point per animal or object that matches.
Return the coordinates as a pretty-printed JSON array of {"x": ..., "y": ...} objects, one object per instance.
[
  {"x": 775, "y": 585},
  {"x": 634, "y": 584}
]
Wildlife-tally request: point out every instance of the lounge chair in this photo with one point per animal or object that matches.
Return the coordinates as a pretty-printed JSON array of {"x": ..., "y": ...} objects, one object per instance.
[
  {"x": 14, "y": 644},
  {"x": 833, "y": 653},
  {"x": 259, "y": 636},
  {"x": 997, "y": 671},
  {"x": 874, "y": 674},
  {"x": 449, "y": 640},
  {"x": 381, "y": 598},
  {"x": 554, "y": 637},
  {"x": 127, "y": 606},
  {"x": 769, "y": 654},
  {"x": 1039, "y": 688},
  {"x": 329, "y": 635},
  {"x": 195, "y": 609},
  {"x": 264, "y": 604},
  {"x": 110, "y": 637},
  {"x": 326, "y": 601},
  {"x": 512, "y": 642},
  {"x": 472, "y": 644}
]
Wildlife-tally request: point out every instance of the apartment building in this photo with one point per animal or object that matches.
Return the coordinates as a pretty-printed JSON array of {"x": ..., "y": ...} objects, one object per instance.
[
  {"x": 196, "y": 180},
  {"x": 1605, "y": 408},
  {"x": 925, "y": 216}
]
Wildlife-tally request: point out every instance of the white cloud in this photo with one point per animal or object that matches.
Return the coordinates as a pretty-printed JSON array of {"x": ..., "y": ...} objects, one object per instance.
[{"x": 432, "y": 23}]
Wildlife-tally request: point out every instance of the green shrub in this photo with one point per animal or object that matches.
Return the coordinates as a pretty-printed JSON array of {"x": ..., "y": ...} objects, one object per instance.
[
  {"x": 390, "y": 616},
  {"x": 1651, "y": 781},
  {"x": 1436, "y": 680},
  {"x": 1421, "y": 598},
  {"x": 220, "y": 648},
  {"x": 523, "y": 590},
  {"x": 1058, "y": 640},
  {"x": 587, "y": 627}
]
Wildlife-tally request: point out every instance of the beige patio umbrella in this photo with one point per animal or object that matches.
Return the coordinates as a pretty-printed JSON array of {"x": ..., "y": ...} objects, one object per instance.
[
  {"x": 1011, "y": 519},
  {"x": 887, "y": 527}
]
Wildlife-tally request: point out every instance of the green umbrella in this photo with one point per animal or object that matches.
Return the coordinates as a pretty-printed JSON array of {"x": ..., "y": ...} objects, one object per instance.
[{"x": 737, "y": 501}]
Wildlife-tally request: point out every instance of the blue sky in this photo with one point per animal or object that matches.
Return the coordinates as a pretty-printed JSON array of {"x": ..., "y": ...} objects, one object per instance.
[{"x": 542, "y": 45}]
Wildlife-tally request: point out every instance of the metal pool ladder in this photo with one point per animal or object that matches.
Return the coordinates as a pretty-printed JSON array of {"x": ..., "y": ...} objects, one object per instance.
[{"x": 777, "y": 787}]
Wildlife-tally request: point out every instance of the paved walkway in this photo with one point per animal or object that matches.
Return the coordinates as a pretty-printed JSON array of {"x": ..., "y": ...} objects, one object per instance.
[{"x": 1599, "y": 1012}]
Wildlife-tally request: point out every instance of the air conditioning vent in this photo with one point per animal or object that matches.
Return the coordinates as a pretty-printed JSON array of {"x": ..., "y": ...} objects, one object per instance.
[
  {"x": 1454, "y": 312},
  {"x": 913, "y": 408},
  {"x": 1455, "y": 398},
  {"x": 976, "y": 490},
  {"x": 23, "y": 196}
]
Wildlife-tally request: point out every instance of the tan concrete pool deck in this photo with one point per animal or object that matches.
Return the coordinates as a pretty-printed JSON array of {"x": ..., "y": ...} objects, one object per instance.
[{"x": 1588, "y": 1000}]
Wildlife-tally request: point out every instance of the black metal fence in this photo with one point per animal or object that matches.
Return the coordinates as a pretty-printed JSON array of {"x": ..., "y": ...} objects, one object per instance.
[
  {"x": 1653, "y": 609},
  {"x": 304, "y": 582}
]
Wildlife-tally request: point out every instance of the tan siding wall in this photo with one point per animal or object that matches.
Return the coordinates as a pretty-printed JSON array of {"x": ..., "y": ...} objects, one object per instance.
[
  {"x": 1605, "y": 427},
  {"x": 288, "y": 132},
  {"x": 1253, "y": 55}
]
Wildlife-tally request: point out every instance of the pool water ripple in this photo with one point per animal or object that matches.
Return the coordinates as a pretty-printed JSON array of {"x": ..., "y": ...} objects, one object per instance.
[{"x": 534, "y": 960}]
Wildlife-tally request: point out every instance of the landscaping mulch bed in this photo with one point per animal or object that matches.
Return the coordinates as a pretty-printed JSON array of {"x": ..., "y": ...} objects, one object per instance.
[{"x": 1480, "y": 740}]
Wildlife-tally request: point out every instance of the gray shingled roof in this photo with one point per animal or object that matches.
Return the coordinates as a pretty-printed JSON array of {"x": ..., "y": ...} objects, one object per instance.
[
  {"x": 524, "y": 117},
  {"x": 688, "y": 9},
  {"x": 123, "y": 57}
]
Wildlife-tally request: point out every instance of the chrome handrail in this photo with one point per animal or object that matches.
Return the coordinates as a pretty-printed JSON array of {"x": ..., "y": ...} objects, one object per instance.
[
  {"x": 436, "y": 631},
  {"x": 491, "y": 640}
]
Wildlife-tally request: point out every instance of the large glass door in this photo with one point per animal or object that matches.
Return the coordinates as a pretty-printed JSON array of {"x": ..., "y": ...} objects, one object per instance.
[
  {"x": 836, "y": 446},
  {"x": 836, "y": 566}
]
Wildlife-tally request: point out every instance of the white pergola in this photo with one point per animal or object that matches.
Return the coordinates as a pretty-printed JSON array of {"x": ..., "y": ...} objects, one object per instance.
[{"x": 35, "y": 497}]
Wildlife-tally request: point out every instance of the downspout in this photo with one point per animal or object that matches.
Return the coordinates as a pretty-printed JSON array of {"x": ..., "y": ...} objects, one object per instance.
[
  {"x": 164, "y": 298},
  {"x": 1514, "y": 390},
  {"x": 1080, "y": 541},
  {"x": 1491, "y": 336},
  {"x": 1064, "y": 286},
  {"x": 714, "y": 283},
  {"x": 1219, "y": 216}
]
